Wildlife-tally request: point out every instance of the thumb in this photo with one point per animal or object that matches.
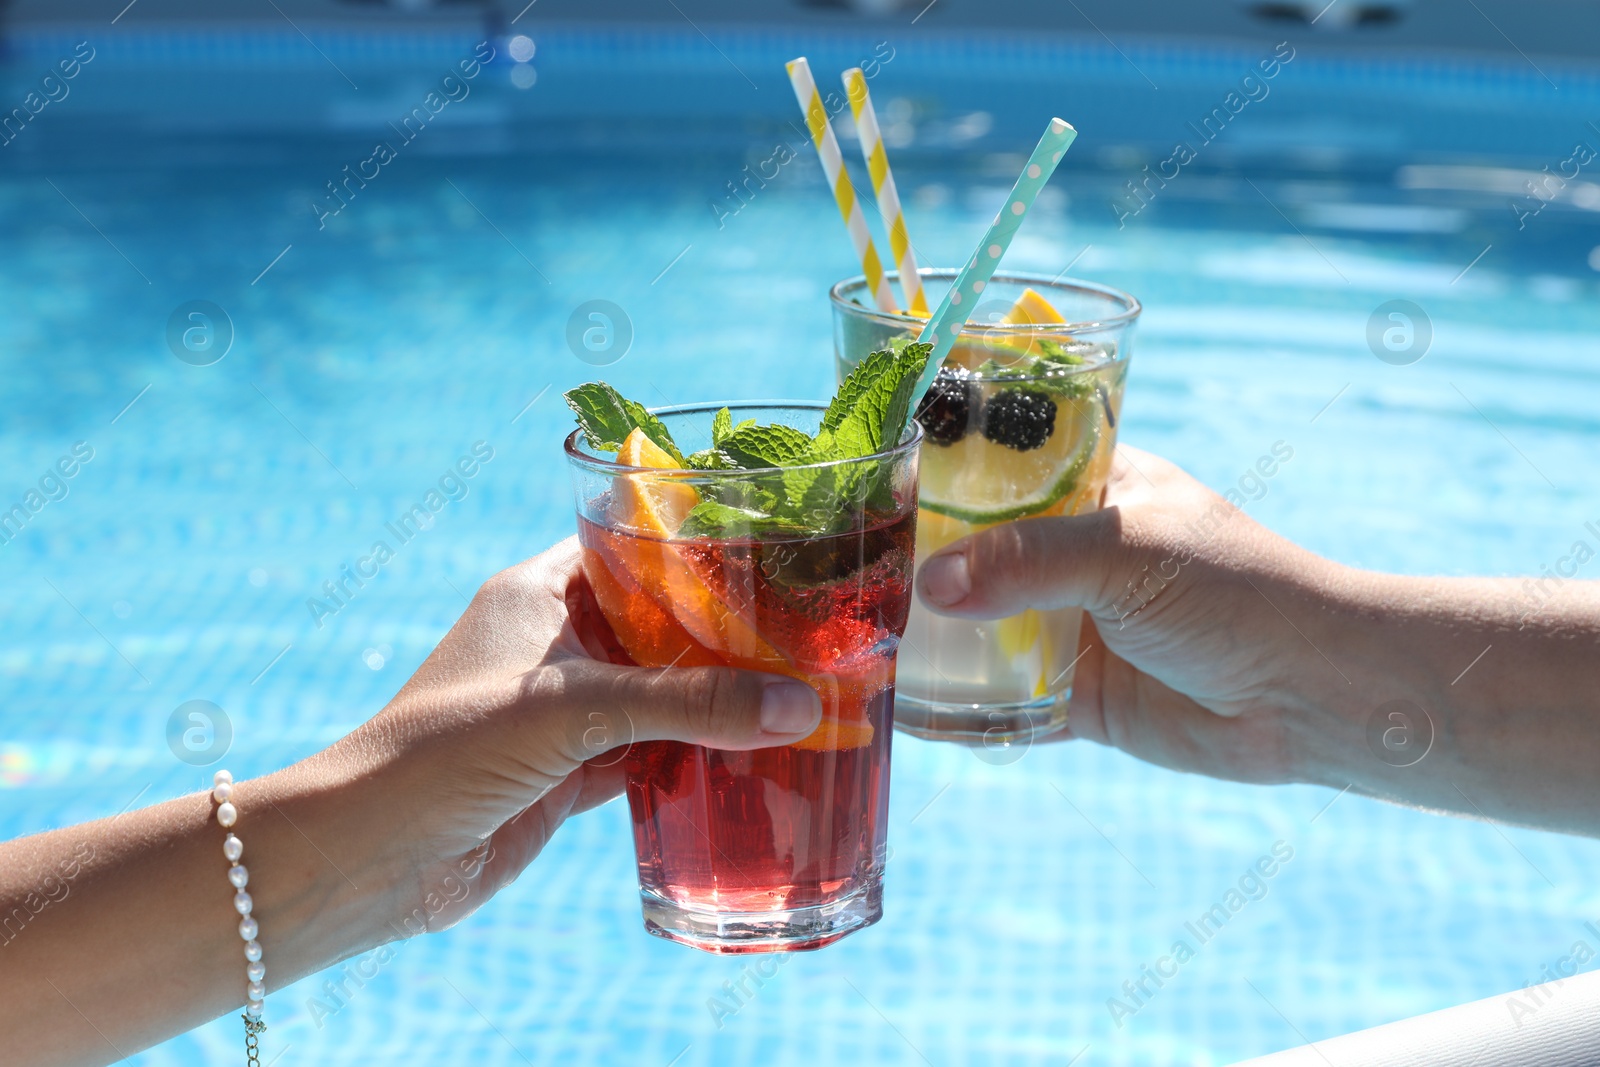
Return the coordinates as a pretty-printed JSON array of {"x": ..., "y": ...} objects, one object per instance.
[
  {"x": 719, "y": 707},
  {"x": 1063, "y": 561}
]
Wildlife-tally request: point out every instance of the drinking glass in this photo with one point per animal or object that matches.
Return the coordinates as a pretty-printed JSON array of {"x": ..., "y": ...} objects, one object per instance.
[
  {"x": 779, "y": 848},
  {"x": 1023, "y": 423}
]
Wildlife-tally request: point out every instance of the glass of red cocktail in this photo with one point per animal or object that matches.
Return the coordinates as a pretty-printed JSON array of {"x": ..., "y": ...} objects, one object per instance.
[{"x": 802, "y": 569}]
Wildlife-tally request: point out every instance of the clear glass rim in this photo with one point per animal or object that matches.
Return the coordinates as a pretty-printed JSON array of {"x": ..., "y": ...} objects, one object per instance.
[
  {"x": 582, "y": 459},
  {"x": 1127, "y": 301}
]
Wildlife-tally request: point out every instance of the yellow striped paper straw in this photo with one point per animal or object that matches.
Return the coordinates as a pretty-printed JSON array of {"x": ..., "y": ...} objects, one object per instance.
[
  {"x": 855, "y": 87},
  {"x": 805, "y": 91}
]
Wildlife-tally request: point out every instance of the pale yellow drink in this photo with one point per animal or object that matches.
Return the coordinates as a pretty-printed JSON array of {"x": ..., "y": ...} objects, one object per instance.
[{"x": 1022, "y": 423}]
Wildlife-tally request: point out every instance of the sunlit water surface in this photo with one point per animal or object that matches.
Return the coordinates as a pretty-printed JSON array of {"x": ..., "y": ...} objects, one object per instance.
[{"x": 429, "y": 317}]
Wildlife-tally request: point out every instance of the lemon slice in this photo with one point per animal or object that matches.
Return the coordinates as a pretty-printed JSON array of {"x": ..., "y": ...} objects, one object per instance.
[
  {"x": 1032, "y": 308},
  {"x": 1023, "y": 641},
  {"x": 1018, "y": 634},
  {"x": 980, "y": 482},
  {"x": 1010, "y": 350}
]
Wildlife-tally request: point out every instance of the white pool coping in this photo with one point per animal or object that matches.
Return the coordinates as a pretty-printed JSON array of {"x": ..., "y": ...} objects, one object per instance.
[{"x": 1551, "y": 1025}]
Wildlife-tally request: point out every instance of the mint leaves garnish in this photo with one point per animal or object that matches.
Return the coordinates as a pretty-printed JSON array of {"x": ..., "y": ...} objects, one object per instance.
[
  {"x": 711, "y": 518},
  {"x": 714, "y": 458},
  {"x": 722, "y": 426},
  {"x": 1054, "y": 370},
  {"x": 1053, "y": 351},
  {"x": 873, "y": 403},
  {"x": 1048, "y": 378},
  {"x": 752, "y": 446},
  {"x": 607, "y": 418},
  {"x": 709, "y": 459},
  {"x": 866, "y": 417}
]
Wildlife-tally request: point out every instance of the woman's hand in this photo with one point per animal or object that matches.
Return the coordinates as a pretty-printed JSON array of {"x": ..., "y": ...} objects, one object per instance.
[
  {"x": 406, "y": 825},
  {"x": 1186, "y": 660},
  {"x": 516, "y": 722},
  {"x": 1212, "y": 645}
]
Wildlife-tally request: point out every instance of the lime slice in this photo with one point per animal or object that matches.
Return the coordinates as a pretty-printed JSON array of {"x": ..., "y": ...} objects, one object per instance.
[{"x": 980, "y": 482}]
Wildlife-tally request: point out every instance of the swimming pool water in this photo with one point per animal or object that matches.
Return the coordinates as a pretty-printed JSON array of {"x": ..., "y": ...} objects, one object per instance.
[{"x": 431, "y": 315}]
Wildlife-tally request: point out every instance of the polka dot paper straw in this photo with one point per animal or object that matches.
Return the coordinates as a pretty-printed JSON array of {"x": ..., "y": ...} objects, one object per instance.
[
  {"x": 855, "y": 87},
  {"x": 805, "y": 91},
  {"x": 946, "y": 323}
]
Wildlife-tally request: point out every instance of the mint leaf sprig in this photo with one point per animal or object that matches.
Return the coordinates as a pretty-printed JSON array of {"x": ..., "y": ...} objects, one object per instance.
[
  {"x": 1056, "y": 370},
  {"x": 712, "y": 518},
  {"x": 607, "y": 418},
  {"x": 1042, "y": 376},
  {"x": 866, "y": 416}
]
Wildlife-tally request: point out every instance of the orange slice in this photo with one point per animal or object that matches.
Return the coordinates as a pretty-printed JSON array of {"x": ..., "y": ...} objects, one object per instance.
[
  {"x": 656, "y": 508},
  {"x": 837, "y": 734},
  {"x": 650, "y": 636},
  {"x": 656, "y": 505}
]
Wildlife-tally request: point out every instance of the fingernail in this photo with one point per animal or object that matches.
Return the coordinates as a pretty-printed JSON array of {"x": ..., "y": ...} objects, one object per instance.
[
  {"x": 789, "y": 708},
  {"x": 945, "y": 579}
]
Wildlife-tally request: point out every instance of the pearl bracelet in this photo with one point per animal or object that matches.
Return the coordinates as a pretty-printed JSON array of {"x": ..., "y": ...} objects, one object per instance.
[{"x": 255, "y": 971}]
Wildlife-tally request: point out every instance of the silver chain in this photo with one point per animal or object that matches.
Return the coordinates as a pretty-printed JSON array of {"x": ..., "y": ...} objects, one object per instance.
[{"x": 252, "y": 1040}]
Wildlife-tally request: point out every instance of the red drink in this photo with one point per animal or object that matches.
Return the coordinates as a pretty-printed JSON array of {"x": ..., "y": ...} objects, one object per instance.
[
  {"x": 787, "y": 564},
  {"x": 777, "y": 848}
]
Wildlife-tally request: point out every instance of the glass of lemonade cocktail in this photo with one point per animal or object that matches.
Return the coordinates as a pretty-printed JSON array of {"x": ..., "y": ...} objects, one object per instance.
[
  {"x": 802, "y": 570},
  {"x": 1021, "y": 422}
]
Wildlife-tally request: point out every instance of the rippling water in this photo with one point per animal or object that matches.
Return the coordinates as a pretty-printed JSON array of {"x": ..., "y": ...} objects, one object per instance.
[{"x": 431, "y": 314}]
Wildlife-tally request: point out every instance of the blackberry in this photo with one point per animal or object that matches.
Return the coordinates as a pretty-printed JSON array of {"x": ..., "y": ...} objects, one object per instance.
[
  {"x": 946, "y": 412},
  {"x": 1022, "y": 419}
]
